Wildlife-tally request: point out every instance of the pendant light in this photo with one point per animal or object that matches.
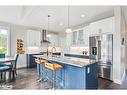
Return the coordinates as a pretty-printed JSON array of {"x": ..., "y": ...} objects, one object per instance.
[
  {"x": 68, "y": 30},
  {"x": 48, "y": 35}
]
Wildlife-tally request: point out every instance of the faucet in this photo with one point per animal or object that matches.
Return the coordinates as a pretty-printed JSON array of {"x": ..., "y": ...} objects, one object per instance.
[{"x": 53, "y": 48}]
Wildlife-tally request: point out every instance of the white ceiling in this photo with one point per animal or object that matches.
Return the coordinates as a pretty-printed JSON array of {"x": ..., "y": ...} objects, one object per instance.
[{"x": 37, "y": 15}]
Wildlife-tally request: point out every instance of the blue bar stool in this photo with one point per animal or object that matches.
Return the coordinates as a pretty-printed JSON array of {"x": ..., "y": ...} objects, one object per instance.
[
  {"x": 42, "y": 70},
  {"x": 53, "y": 67}
]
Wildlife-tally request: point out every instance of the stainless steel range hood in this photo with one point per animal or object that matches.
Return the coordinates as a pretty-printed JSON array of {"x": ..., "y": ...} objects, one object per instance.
[{"x": 44, "y": 38}]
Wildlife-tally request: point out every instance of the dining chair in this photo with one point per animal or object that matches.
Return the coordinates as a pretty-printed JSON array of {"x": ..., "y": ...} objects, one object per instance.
[
  {"x": 11, "y": 67},
  {"x": 2, "y": 56},
  {"x": 14, "y": 67},
  {"x": 3, "y": 70},
  {"x": 5, "y": 64}
]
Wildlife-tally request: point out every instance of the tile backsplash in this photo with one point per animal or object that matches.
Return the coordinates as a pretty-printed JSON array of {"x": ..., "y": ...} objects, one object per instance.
[{"x": 79, "y": 50}]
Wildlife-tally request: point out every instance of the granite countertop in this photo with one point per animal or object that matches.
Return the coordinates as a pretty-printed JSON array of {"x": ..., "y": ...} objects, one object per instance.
[{"x": 79, "y": 62}]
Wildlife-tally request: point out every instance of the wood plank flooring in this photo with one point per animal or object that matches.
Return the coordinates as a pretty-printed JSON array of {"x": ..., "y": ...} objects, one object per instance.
[{"x": 27, "y": 79}]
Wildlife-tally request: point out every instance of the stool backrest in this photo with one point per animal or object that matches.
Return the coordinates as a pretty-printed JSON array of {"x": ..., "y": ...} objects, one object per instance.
[
  {"x": 16, "y": 59},
  {"x": 53, "y": 66},
  {"x": 37, "y": 60},
  {"x": 49, "y": 66}
]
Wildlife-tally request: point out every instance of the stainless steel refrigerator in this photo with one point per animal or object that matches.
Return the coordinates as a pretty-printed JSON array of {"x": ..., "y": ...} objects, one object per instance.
[{"x": 101, "y": 49}]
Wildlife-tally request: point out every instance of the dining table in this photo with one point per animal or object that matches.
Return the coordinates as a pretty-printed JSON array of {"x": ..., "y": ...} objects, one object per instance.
[{"x": 7, "y": 60}]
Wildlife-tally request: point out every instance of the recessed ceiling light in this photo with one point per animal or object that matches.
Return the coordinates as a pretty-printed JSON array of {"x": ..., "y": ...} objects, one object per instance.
[
  {"x": 61, "y": 24},
  {"x": 82, "y": 16}
]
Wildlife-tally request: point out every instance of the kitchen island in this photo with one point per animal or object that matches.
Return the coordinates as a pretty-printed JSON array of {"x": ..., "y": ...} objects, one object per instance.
[{"x": 77, "y": 73}]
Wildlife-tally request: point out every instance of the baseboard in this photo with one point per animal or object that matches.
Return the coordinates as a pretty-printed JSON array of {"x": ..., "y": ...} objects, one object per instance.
[
  {"x": 21, "y": 68},
  {"x": 117, "y": 81},
  {"x": 123, "y": 77}
]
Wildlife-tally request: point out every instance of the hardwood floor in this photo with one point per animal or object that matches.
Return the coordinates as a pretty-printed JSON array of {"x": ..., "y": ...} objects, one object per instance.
[{"x": 27, "y": 79}]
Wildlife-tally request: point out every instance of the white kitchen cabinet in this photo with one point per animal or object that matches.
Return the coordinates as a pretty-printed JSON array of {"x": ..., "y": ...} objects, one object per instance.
[
  {"x": 102, "y": 26},
  {"x": 74, "y": 38},
  {"x": 86, "y": 36},
  {"x": 80, "y": 37},
  {"x": 77, "y": 38},
  {"x": 53, "y": 40},
  {"x": 68, "y": 39},
  {"x": 33, "y": 38}
]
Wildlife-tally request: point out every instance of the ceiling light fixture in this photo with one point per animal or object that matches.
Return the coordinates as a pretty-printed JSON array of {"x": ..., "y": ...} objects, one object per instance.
[
  {"x": 61, "y": 24},
  {"x": 82, "y": 15},
  {"x": 68, "y": 30}
]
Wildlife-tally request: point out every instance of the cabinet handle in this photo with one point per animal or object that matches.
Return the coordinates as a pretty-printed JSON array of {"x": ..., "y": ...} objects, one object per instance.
[{"x": 88, "y": 70}]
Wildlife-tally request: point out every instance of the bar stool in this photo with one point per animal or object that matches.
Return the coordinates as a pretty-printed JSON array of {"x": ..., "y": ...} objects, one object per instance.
[
  {"x": 38, "y": 63},
  {"x": 42, "y": 72},
  {"x": 54, "y": 67}
]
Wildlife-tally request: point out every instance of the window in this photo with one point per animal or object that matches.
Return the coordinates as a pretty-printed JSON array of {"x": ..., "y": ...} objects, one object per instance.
[{"x": 4, "y": 41}]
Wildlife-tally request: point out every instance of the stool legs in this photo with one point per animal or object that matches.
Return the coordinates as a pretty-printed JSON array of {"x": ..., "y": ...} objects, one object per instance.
[
  {"x": 54, "y": 80},
  {"x": 42, "y": 74}
]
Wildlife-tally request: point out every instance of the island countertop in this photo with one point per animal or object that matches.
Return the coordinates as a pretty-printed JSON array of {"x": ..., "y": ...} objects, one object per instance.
[{"x": 79, "y": 62}]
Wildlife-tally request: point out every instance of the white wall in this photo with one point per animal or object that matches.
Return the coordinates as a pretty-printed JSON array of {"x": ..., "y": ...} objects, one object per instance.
[
  {"x": 17, "y": 31},
  {"x": 116, "y": 46},
  {"x": 123, "y": 47},
  {"x": 119, "y": 54}
]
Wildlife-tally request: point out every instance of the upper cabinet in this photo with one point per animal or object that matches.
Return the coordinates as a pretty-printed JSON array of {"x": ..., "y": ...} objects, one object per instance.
[
  {"x": 68, "y": 39},
  {"x": 53, "y": 39},
  {"x": 77, "y": 37},
  {"x": 80, "y": 37},
  {"x": 102, "y": 27},
  {"x": 86, "y": 35},
  {"x": 74, "y": 37},
  {"x": 33, "y": 38}
]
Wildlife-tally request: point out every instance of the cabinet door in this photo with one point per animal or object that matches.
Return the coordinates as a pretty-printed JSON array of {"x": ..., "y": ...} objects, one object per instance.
[
  {"x": 68, "y": 39},
  {"x": 74, "y": 77},
  {"x": 92, "y": 76},
  {"x": 81, "y": 37},
  {"x": 38, "y": 38},
  {"x": 94, "y": 27},
  {"x": 74, "y": 38},
  {"x": 33, "y": 38},
  {"x": 86, "y": 36},
  {"x": 103, "y": 26},
  {"x": 53, "y": 39},
  {"x": 106, "y": 25}
]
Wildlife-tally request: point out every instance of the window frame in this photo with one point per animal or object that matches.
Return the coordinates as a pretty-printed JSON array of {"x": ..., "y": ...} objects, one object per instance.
[{"x": 8, "y": 39}]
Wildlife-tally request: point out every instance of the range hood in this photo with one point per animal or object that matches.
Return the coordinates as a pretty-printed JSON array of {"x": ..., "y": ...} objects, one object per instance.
[{"x": 44, "y": 38}]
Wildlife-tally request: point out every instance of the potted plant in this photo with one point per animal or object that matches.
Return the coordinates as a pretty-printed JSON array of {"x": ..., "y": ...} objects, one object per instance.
[{"x": 84, "y": 52}]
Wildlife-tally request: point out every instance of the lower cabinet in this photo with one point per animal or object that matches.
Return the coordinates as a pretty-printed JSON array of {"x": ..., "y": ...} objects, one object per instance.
[
  {"x": 92, "y": 76},
  {"x": 81, "y": 78},
  {"x": 31, "y": 60}
]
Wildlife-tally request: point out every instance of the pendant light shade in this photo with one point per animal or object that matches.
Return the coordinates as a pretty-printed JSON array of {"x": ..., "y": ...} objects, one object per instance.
[{"x": 68, "y": 30}]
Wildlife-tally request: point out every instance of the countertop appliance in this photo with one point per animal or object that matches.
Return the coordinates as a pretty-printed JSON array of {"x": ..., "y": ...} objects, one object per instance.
[{"x": 101, "y": 49}]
